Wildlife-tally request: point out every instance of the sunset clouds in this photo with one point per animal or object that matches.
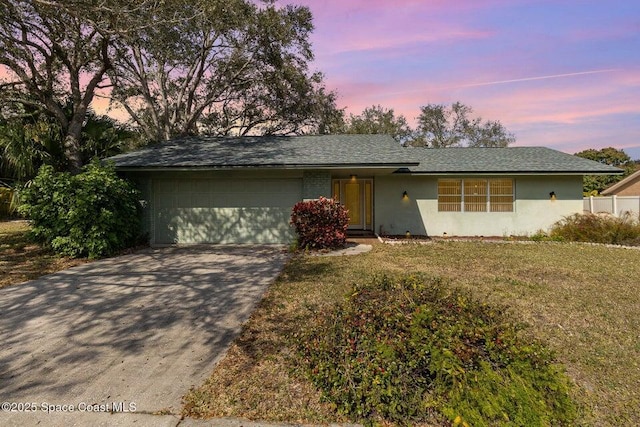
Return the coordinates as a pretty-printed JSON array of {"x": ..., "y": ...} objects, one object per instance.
[{"x": 560, "y": 74}]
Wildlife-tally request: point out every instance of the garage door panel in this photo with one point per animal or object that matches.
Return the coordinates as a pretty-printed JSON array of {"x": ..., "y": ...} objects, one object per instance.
[
  {"x": 238, "y": 211},
  {"x": 167, "y": 201},
  {"x": 254, "y": 200},
  {"x": 202, "y": 200},
  {"x": 223, "y": 225},
  {"x": 202, "y": 186}
]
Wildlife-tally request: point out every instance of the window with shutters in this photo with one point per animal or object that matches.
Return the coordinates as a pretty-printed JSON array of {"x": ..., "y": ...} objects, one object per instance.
[
  {"x": 501, "y": 195},
  {"x": 475, "y": 195},
  {"x": 450, "y": 195}
]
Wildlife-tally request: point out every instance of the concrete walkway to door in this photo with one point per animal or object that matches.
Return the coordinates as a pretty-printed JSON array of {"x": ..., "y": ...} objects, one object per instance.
[{"x": 131, "y": 333}]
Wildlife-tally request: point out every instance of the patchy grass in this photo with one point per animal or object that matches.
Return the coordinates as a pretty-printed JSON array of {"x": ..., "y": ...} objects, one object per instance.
[
  {"x": 22, "y": 260},
  {"x": 582, "y": 300}
]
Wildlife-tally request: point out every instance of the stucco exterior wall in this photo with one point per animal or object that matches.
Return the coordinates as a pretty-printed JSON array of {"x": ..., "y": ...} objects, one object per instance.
[
  {"x": 247, "y": 199},
  {"x": 418, "y": 214}
]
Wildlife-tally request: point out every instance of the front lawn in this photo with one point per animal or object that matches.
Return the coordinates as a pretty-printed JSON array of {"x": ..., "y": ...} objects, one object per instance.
[
  {"x": 582, "y": 300},
  {"x": 22, "y": 260}
]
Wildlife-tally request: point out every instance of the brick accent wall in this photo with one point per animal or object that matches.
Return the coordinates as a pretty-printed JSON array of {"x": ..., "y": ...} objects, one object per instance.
[{"x": 316, "y": 184}]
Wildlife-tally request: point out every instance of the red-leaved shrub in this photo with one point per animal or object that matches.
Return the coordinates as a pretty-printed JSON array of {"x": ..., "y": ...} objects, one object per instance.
[{"x": 320, "y": 224}]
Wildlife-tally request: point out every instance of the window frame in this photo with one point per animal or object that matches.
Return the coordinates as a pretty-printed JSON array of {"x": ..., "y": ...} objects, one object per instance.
[{"x": 459, "y": 193}]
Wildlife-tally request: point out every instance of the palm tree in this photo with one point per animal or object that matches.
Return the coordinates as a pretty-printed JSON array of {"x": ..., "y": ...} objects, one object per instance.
[
  {"x": 26, "y": 143},
  {"x": 104, "y": 137},
  {"x": 31, "y": 138}
]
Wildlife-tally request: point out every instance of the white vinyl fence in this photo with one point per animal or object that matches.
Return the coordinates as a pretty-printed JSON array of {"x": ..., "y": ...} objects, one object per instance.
[{"x": 616, "y": 205}]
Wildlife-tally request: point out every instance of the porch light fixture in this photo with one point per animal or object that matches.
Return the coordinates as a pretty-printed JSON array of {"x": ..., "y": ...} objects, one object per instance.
[
  {"x": 552, "y": 195},
  {"x": 353, "y": 177},
  {"x": 405, "y": 196}
]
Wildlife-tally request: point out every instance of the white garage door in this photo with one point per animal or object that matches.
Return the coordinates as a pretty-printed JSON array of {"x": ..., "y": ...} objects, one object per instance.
[{"x": 224, "y": 210}]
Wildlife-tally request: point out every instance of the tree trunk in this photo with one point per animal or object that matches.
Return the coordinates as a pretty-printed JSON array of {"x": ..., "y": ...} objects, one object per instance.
[
  {"x": 72, "y": 154},
  {"x": 72, "y": 146}
]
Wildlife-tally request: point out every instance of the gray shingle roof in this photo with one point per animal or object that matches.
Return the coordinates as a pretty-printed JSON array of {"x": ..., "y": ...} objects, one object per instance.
[
  {"x": 274, "y": 151},
  {"x": 504, "y": 160},
  {"x": 352, "y": 151}
]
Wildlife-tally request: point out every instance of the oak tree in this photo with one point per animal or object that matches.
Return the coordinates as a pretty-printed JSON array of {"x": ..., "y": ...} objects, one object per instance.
[
  {"x": 52, "y": 52},
  {"x": 222, "y": 67},
  {"x": 379, "y": 120},
  {"x": 594, "y": 184},
  {"x": 440, "y": 126},
  {"x": 177, "y": 67}
]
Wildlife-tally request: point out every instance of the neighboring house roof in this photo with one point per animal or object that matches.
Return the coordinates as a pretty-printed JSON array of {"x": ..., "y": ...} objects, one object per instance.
[
  {"x": 505, "y": 160},
  {"x": 270, "y": 151},
  {"x": 337, "y": 151},
  {"x": 631, "y": 179}
]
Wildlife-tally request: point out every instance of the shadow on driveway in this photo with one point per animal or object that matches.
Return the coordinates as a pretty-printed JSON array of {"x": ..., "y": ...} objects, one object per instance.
[{"x": 141, "y": 328}]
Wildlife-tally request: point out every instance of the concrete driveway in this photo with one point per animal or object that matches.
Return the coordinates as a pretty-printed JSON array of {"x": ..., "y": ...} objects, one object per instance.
[{"x": 131, "y": 333}]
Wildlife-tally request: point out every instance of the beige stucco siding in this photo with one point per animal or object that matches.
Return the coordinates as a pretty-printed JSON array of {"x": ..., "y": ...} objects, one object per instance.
[
  {"x": 630, "y": 189},
  {"x": 533, "y": 209}
]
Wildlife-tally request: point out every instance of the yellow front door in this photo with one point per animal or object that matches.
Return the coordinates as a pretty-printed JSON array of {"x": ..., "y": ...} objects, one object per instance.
[
  {"x": 357, "y": 196},
  {"x": 353, "y": 203}
]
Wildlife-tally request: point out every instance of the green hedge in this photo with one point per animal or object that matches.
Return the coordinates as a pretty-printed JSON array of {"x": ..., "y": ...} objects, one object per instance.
[{"x": 91, "y": 214}]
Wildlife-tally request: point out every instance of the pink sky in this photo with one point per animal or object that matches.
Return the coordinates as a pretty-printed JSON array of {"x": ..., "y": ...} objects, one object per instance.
[{"x": 561, "y": 74}]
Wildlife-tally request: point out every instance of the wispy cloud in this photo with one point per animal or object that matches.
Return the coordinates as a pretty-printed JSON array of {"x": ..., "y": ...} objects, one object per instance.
[
  {"x": 528, "y": 79},
  {"x": 401, "y": 44}
]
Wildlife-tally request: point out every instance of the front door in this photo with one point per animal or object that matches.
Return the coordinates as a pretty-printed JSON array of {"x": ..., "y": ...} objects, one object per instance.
[{"x": 357, "y": 196}]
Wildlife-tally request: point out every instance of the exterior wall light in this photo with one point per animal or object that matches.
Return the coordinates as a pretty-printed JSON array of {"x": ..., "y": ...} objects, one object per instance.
[
  {"x": 405, "y": 196},
  {"x": 353, "y": 177},
  {"x": 552, "y": 195}
]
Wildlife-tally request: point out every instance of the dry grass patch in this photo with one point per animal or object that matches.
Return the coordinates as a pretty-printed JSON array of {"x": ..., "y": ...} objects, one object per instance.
[
  {"x": 22, "y": 260},
  {"x": 583, "y": 300},
  {"x": 255, "y": 379}
]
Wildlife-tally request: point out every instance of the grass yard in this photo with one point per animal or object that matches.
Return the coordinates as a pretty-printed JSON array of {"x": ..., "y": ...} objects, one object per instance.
[
  {"x": 22, "y": 260},
  {"x": 583, "y": 300}
]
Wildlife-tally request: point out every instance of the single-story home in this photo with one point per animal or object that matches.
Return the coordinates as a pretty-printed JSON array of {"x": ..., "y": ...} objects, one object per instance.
[
  {"x": 242, "y": 189},
  {"x": 630, "y": 186}
]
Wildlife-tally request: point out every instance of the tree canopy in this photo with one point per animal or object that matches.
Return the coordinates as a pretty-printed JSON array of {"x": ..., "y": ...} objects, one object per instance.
[
  {"x": 379, "y": 120},
  {"x": 178, "y": 68},
  {"x": 609, "y": 156},
  {"x": 440, "y": 126},
  {"x": 53, "y": 53},
  {"x": 225, "y": 67}
]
